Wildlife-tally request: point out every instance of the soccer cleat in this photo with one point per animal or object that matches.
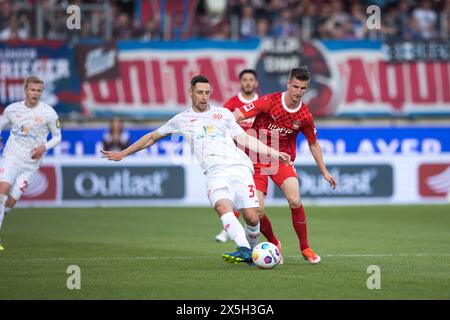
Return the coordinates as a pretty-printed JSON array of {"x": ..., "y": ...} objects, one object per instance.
[
  {"x": 222, "y": 236},
  {"x": 281, "y": 256},
  {"x": 242, "y": 254},
  {"x": 1, "y": 248},
  {"x": 310, "y": 256}
]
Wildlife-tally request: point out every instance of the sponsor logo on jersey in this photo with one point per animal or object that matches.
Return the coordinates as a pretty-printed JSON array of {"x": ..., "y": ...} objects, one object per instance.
[
  {"x": 217, "y": 116},
  {"x": 209, "y": 129},
  {"x": 273, "y": 127}
]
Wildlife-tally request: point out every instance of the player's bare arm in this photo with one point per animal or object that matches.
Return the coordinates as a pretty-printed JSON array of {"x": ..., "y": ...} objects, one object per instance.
[
  {"x": 316, "y": 151},
  {"x": 55, "y": 128},
  {"x": 144, "y": 142},
  {"x": 256, "y": 145},
  {"x": 238, "y": 115}
]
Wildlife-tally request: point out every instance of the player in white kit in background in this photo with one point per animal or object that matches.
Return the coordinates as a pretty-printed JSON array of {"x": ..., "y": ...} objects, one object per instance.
[
  {"x": 210, "y": 132},
  {"x": 31, "y": 121}
]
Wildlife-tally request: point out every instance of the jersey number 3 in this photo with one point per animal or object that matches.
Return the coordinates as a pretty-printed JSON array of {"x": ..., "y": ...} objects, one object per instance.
[{"x": 251, "y": 189}]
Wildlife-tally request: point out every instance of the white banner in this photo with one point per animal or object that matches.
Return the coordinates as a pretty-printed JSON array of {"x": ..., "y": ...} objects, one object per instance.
[{"x": 139, "y": 181}]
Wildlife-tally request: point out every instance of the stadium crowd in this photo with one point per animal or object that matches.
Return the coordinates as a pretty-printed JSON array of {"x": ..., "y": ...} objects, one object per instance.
[{"x": 233, "y": 19}]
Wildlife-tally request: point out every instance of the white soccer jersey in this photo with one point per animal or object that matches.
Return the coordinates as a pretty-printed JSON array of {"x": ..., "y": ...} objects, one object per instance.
[
  {"x": 29, "y": 129},
  {"x": 210, "y": 134}
]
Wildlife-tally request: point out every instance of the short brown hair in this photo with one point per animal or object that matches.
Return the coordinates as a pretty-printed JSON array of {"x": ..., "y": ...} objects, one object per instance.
[
  {"x": 301, "y": 73},
  {"x": 33, "y": 79},
  {"x": 198, "y": 79}
]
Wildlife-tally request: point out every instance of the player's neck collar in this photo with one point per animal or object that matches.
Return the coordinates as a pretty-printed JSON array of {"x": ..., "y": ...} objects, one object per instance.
[
  {"x": 247, "y": 101},
  {"x": 30, "y": 107},
  {"x": 290, "y": 110},
  {"x": 207, "y": 109}
]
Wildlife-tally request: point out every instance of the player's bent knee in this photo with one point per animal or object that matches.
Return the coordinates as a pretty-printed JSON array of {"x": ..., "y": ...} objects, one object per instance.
[
  {"x": 222, "y": 207},
  {"x": 294, "y": 203},
  {"x": 251, "y": 217},
  {"x": 260, "y": 212}
]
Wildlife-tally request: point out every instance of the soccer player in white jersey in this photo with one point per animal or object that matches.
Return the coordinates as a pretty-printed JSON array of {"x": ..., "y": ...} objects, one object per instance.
[
  {"x": 210, "y": 132},
  {"x": 31, "y": 121}
]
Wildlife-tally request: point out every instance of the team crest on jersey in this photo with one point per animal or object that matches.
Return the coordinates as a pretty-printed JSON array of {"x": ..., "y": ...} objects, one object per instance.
[
  {"x": 296, "y": 125},
  {"x": 249, "y": 107},
  {"x": 38, "y": 119}
]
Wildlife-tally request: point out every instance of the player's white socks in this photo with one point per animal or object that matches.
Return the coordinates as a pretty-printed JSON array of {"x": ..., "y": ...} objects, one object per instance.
[
  {"x": 3, "y": 199},
  {"x": 252, "y": 234},
  {"x": 234, "y": 229}
]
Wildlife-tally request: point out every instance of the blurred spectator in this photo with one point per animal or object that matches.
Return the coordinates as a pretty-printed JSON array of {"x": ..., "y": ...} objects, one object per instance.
[
  {"x": 151, "y": 30},
  {"x": 229, "y": 19},
  {"x": 14, "y": 30},
  {"x": 116, "y": 139},
  {"x": 338, "y": 25},
  {"x": 247, "y": 28},
  {"x": 123, "y": 28},
  {"x": 284, "y": 26},
  {"x": 358, "y": 21},
  {"x": 426, "y": 19},
  {"x": 323, "y": 16},
  {"x": 444, "y": 18},
  {"x": 390, "y": 24},
  {"x": 262, "y": 28},
  {"x": 6, "y": 13},
  {"x": 210, "y": 26}
]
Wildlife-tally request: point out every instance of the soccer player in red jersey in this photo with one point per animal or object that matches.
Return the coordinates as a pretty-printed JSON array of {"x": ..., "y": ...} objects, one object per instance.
[
  {"x": 248, "y": 81},
  {"x": 279, "y": 118}
]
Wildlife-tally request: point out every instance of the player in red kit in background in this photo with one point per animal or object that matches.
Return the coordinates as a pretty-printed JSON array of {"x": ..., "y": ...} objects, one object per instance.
[
  {"x": 279, "y": 118},
  {"x": 248, "y": 81}
]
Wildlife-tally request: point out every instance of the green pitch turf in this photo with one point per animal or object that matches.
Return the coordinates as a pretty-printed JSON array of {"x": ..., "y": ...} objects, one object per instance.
[{"x": 170, "y": 253}]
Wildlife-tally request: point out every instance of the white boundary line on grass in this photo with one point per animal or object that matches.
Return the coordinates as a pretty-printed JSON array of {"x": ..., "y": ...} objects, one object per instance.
[{"x": 59, "y": 259}]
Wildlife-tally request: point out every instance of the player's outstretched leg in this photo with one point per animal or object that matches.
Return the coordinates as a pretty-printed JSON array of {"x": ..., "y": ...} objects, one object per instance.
[
  {"x": 291, "y": 191},
  {"x": 235, "y": 232},
  {"x": 222, "y": 236},
  {"x": 266, "y": 225},
  {"x": 244, "y": 254}
]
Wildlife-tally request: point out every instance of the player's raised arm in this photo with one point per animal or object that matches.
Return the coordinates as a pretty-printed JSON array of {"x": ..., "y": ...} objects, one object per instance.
[
  {"x": 252, "y": 109},
  {"x": 256, "y": 146},
  {"x": 144, "y": 142}
]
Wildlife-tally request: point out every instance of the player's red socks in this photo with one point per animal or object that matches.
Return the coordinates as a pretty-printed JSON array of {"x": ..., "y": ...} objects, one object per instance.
[
  {"x": 299, "y": 223},
  {"x": 236, "y": 214},
  {"x": 266, "y": 229}
]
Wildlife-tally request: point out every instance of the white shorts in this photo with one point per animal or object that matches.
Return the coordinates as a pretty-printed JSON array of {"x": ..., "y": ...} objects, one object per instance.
[
  {"x": 234, "y": 183},
  {"x": 18, "y": 177}
]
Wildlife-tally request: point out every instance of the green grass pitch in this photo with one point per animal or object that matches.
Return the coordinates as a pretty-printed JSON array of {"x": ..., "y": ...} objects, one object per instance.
[{"x": 170, "y": 253}]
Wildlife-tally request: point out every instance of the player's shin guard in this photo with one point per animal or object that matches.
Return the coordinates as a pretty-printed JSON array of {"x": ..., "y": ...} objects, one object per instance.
[
  {"x": 3, "y": 199},
  {"x": 234, "y": 229},
  {"x": 299, "y": 223},
  {"x": 252, "y": 234}
]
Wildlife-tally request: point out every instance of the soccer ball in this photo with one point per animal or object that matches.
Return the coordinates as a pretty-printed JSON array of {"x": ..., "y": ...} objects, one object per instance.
[{"x": 266, "y": 255}]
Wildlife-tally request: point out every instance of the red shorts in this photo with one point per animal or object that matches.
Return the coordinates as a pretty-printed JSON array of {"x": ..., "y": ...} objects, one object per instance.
[{"x": 283, "y": 172}]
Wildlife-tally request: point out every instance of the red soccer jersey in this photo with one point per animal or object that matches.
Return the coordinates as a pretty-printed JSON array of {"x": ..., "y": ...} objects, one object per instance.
[
  {"x": 238, "y": 101},
  {"x": 274, "y": 121}
]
